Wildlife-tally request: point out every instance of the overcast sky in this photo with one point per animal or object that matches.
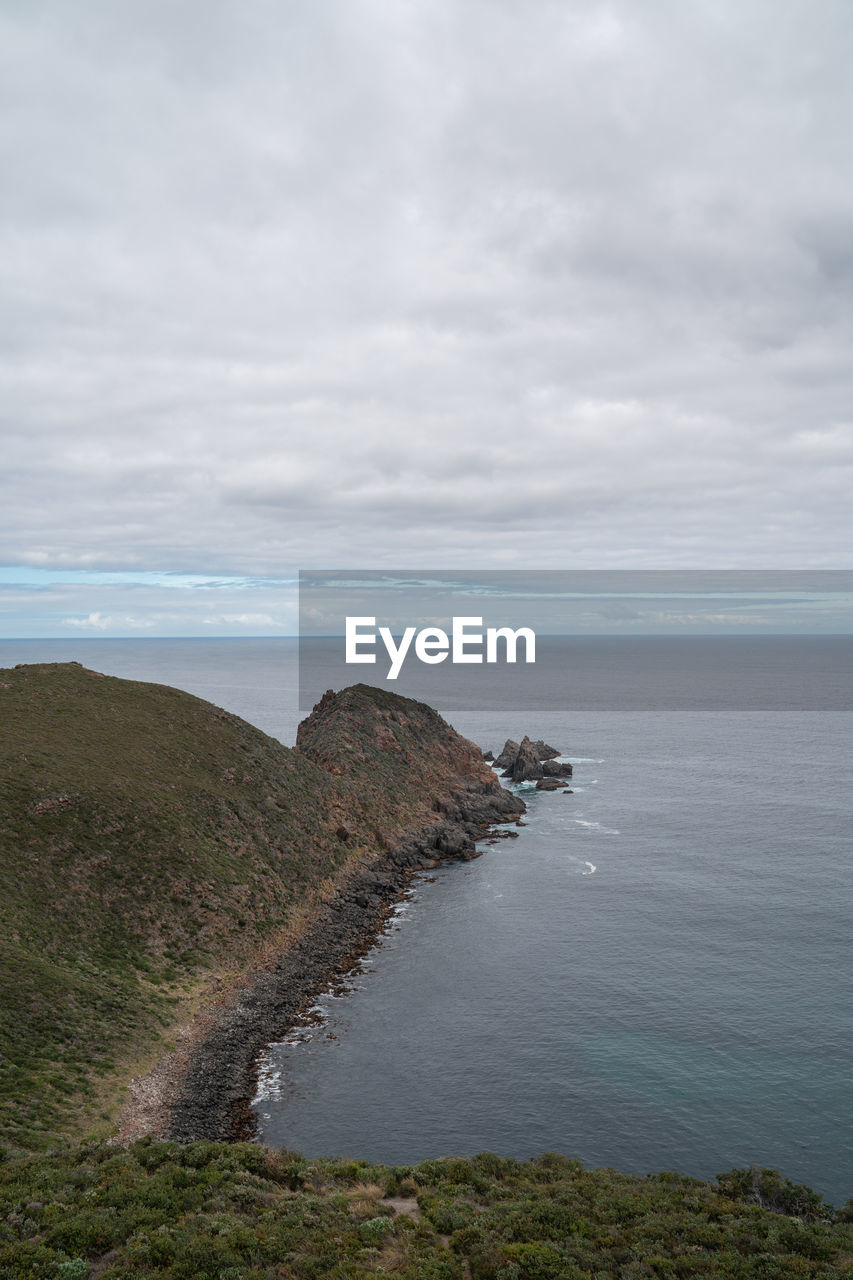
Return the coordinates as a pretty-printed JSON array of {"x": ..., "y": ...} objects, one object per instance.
[{"x": 446, "y": 283}]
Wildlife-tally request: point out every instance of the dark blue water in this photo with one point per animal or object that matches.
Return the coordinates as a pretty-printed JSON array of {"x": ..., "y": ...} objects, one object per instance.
[{"x": 656, "y": 974}]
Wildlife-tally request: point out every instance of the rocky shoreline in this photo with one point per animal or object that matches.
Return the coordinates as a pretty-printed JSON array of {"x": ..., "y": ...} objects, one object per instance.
[
  {"x": 371, "y": 745},
  {"x": 206, "y": 1090}
]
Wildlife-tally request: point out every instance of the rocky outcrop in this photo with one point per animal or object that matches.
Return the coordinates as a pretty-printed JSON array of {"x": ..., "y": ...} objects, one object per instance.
[
  {"x": 556, "y": 769},
  {"x": 526, "y": 766},
  {"x": 528, "y": 761},
  {"x": 507, "y": 756}
]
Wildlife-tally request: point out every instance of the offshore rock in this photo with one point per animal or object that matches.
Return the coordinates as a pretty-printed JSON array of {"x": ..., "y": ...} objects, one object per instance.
[
  {"x": 526, "y": 766},
  {"x": 553, "y": 769},
  {"x": 541, "y": 751},
  {"x": 506, "y": 759}
]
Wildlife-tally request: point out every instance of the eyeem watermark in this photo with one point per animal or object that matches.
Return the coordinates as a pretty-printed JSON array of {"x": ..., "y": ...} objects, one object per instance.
[{"x": 433, "y": 645}]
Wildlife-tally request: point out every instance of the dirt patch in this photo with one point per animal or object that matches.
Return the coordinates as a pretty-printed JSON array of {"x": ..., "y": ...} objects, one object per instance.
[{"x": 407, "y": 1205}]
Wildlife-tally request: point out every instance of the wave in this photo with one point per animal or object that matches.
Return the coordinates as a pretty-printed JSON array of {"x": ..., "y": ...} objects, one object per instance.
[{"x": 597, "y": 826}]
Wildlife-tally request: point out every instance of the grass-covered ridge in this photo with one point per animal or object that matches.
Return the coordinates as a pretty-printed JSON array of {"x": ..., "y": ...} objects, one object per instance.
[
  {"x": 223, "y": 1212},
  {"x": 151, "y": 847}
]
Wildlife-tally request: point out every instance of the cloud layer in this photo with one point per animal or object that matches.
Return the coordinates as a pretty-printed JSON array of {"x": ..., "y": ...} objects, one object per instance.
[{"x": 426, "y": 283}]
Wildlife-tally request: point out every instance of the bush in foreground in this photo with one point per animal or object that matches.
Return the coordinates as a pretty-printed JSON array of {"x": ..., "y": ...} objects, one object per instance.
[{"x": 227, "y": 1211}]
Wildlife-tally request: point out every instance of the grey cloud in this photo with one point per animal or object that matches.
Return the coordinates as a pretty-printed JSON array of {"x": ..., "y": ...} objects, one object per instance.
[
  {"x": 616, "y": 612},
  {"x": 436, "y": 282}
]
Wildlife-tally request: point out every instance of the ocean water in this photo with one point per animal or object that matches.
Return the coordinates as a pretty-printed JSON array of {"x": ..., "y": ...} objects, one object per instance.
[{"x": 655, "y": 975}]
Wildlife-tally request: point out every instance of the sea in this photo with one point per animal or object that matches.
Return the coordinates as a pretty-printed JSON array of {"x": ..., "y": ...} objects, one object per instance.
[{"x": 655, "y": 975}]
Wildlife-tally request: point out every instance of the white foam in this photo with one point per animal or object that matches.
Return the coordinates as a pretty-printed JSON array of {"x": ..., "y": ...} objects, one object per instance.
[
  {"x": 592, "y": 869},
  {"x": 269, "y": 1084},
  {"x": 597, "y": 826}
]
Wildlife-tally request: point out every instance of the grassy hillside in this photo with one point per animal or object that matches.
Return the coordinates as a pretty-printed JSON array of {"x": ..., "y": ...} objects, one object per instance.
[{"x": 152, "y": 844}]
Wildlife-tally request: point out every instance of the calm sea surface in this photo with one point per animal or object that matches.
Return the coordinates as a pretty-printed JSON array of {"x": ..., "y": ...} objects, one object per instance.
[{"x": 656, "y": 974}]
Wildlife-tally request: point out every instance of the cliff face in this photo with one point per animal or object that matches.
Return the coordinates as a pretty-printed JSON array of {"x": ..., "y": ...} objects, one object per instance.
[
  {"x": 391, "y": 746},
  {"x": 153, "y": 847},
  {"x": 363, "y": 728}
]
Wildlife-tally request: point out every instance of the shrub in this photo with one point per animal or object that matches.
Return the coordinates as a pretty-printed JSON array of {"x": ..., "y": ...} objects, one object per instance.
[
  {"x": 375, "y": 1229},
  {"x": 72, "y": 1269},
  {"x": 768, "y": 1189}
]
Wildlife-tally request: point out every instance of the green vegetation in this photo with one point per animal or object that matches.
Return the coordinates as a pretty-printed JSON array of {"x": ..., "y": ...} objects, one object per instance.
[{"x": 227, "y": 1211}]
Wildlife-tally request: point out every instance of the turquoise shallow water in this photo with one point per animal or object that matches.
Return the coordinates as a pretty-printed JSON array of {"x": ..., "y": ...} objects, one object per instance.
[{"x": 656, "y": 974}]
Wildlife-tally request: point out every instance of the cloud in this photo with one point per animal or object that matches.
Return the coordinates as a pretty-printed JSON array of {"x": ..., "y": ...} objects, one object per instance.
[
  {"x": 433, "y": 284},
  {"x": 713, "y": 620},
  {"x": 99, "y": 622},
  {"x": 614, "y": 611},
  {"x": 61, "y": 602},
  {"x": 243, "y": 620},
  {"x": 95, "y": 621}
]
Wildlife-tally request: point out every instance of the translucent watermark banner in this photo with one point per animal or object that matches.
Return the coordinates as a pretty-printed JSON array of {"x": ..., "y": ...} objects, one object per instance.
[{"x": 507, "y": 637}]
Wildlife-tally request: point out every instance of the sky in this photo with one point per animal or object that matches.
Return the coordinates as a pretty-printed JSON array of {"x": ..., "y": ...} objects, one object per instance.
[
  {"x": 456, "y": 283},
  {"x": 580, "y": 602}
]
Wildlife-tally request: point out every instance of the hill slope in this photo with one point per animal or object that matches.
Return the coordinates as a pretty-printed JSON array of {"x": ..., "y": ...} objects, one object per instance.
[{"x": 152, "y": 844}]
